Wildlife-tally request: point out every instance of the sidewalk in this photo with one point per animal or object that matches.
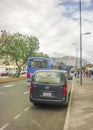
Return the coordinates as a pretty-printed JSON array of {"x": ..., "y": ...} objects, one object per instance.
[
  {"x": 10, "y": 79},
  {"x": 80, "y": 109}
]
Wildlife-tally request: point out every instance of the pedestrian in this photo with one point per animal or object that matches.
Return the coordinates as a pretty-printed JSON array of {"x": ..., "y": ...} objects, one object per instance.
[
  {"x": 87, "y": 73},
  {"x": 84, "y": 73},
  {"x": 75, "y": 74},
  {"x": 92, "y": 74},
  {"x": 78, "y": 73}
]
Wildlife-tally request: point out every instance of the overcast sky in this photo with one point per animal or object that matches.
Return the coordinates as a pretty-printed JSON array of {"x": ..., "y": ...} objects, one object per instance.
[{"x": 54, "y": 22}]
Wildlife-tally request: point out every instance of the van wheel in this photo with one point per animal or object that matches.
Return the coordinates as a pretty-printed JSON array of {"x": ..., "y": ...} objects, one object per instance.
[
  {"x": 67, "y": 102},
  {"x": 35, "y": 104},
  {"x": 66, "y": 105}
]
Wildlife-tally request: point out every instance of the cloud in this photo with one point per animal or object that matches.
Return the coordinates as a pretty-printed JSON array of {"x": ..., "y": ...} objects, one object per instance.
[{"x": 56, "y": 25}]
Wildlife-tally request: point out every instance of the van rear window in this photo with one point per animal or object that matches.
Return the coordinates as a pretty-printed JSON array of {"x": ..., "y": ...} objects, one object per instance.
[{"x": 47, "y": 77}]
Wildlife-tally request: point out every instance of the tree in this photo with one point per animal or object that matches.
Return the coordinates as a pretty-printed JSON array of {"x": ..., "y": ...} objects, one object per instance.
[
  {"x": 3, "y": 42},
  {"x": 40, "y": 54},
  {"x": 3, "y": 39},
  {"x": 18, "y": 47}
]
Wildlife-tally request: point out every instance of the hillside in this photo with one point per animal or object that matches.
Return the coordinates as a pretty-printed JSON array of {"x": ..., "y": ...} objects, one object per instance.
[{"x": 69, "y": 60}]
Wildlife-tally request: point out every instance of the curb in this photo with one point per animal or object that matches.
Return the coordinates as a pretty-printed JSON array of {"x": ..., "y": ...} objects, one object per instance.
[
  {"x": 66, "y": 125},
  {"x": 5, "y": 80}
]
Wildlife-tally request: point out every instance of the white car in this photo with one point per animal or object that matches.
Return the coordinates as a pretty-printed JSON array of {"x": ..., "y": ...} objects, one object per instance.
[{"x": 13, "y": 73}]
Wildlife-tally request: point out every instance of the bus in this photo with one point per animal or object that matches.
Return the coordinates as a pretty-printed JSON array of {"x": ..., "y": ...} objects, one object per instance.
[
  {"x": 65, "y": 68},
  {"x": 37, "y": 63}
]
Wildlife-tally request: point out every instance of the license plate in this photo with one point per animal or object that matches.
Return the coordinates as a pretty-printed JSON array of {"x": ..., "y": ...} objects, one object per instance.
[{"x": 47, "y": 94}]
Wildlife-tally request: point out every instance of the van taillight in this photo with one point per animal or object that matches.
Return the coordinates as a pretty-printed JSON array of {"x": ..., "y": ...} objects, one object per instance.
[
  {"x": 65, "y": 89},
  {"x": 28, "y": 75},
  {"x": 30, "y": 87}
]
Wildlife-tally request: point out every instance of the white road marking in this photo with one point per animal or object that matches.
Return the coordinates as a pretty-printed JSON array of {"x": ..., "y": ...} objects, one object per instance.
[
  {"x": 8, "y": 86},
  {"x": 26, "y": 92},
  {"x": 17, "y": 116},
  {"x": 36, "y": 123},
  {"x": 1, "y": 93},
  {"x": 26, "y": 108},
  {"x": 3, "y": 127}
]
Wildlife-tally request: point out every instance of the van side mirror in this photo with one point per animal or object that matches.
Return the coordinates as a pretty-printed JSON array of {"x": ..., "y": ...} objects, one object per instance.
[{"x": 32, "y": 77}]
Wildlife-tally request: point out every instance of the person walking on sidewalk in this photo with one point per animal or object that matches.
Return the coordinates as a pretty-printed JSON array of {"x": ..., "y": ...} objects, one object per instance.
[
  {"x": 92, "y": 74},
  {"x": 78, "y": 74},
  {"x": 87, "y": 73}
]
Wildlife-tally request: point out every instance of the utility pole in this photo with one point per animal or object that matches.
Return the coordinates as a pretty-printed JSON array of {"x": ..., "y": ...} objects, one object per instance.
[{"x": 80, "y": 45}]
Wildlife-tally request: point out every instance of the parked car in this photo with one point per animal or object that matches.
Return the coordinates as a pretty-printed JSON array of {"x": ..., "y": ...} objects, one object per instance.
[
  {"x": 23, "y": 72},
  {"x": 4, "y": 73},
  {"x": 50, "y": 87},
  {"x": 13, "y": 73}
]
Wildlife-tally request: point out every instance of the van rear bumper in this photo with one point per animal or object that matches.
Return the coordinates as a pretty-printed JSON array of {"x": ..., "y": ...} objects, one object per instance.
[{"x": 49, "y": 101}]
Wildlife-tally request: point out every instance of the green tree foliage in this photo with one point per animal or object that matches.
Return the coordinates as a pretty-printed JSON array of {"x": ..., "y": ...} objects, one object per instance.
[
  {"x": 3, "y": 39},
  {"x": 61, "y": 63},
  {"x": 18, "y": 47},
  {"x": 3, "y": 42},
  {"x": 40, "y": 54},
  {"x": 84, "y": 68}
]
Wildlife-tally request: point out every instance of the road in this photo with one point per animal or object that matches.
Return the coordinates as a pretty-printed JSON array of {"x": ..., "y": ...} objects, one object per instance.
[{"x": 17, "y": 113}]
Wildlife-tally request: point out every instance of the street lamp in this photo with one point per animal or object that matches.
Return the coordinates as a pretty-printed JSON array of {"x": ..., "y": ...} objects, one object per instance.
[
  {"x": 81, "y": 43},
  {"x": 81, "y": 55},
  {"x": 86, "y": 33}
]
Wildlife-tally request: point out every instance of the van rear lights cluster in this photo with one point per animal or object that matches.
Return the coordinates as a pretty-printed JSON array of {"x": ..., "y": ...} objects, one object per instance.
[
  {"x": 30, "y": 87},
  {"x": 28, "y": 75},
  {"x": 65, "y": 89}
]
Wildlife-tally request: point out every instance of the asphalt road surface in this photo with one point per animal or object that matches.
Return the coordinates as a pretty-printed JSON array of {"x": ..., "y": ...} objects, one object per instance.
[{"x": 17, "y": 113}]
